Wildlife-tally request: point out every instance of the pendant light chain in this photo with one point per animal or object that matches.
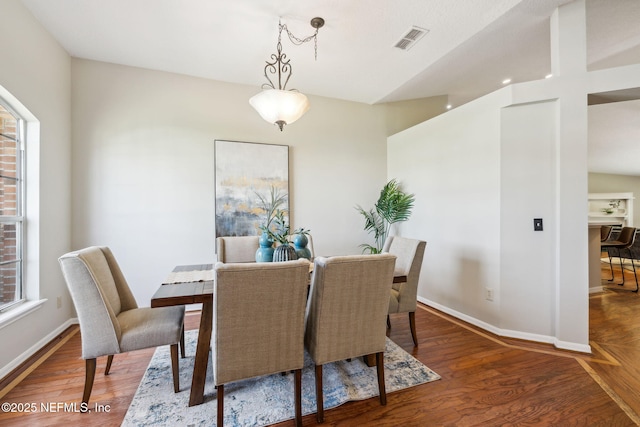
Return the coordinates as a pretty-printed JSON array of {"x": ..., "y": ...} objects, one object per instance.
[{"x": 297, "y": 41}]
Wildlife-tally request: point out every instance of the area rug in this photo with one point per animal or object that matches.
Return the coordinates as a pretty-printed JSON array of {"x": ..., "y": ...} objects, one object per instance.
[{"x": 264, "y": 400}]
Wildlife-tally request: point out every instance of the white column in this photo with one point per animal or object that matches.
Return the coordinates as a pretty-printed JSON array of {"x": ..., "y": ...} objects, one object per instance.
[{"x": 568, "y": 47}]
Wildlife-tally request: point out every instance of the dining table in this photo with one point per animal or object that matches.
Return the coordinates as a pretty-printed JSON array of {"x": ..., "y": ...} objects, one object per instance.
[{"x": 193, "y": 284}]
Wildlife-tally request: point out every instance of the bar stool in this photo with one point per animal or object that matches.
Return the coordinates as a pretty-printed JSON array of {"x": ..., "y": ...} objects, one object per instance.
[{"x": 624, "y": 241}]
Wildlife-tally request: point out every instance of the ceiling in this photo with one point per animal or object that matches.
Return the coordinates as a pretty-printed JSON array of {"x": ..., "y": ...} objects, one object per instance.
[{"x": 469, "y": 49}]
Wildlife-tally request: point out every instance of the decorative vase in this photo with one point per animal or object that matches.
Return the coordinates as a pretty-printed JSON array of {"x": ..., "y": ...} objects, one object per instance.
[
  {"x": 284, "y": 252},
  {"x": 265, "y": 251},
  {"x": 300, "y": 242}
]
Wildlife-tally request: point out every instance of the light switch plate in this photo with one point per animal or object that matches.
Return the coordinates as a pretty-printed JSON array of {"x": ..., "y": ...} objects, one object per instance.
[{"x": 537, "y": 224}]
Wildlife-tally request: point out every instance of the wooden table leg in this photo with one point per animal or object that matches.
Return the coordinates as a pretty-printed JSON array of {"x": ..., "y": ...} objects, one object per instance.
[
  {"x": 202, "y": 355},
  {"x": 369, "y": 359}
]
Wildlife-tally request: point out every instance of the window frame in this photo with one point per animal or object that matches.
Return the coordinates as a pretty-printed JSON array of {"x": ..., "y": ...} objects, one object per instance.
[{"x": 19, "y": 219}]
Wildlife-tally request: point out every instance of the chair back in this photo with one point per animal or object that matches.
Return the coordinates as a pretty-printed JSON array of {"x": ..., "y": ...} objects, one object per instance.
[
  {"x": 258, "y": 318},
  {"x": 347, "y": 306},
  {"x": 627, "y": 237},
  {"x": 605, "y": 232},
  {"x": 237, "y": 248},
  {"x": 409, "y": 253},
  {"x": 311, "y": 248},
  {"x": 99, "y": 293}
]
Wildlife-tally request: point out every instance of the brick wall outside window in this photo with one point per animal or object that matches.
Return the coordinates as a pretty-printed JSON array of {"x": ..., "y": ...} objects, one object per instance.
[{"x": 9, "y": 187}]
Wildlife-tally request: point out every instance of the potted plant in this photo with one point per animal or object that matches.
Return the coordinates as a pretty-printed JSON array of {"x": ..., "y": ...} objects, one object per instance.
[
  {"x": 392, "y": 206},
  {"x": 271, "y": 207},
  {"x": 276, "y": 228},
  {"x": 613, "y": 206}
]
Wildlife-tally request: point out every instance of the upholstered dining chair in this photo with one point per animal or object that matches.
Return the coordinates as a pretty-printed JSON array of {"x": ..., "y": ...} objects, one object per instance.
[
  {"x": 310, "y": 247},
  {"x": 404, "y": 295},
  {"x": 237, "y": 248},
  {"x": 348, "y": 304},
  {"x": 109, "y": 317},
  {"x": 258, "y": 324}
]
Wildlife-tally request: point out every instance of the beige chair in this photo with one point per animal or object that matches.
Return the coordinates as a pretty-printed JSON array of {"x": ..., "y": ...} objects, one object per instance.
[
  {"x": 237, "y": 248},
  {"x": 404, "y": 295},
  {"x": 110, "y": 320},
  {"x": 348, "y": 304},
  {"x": 258, "y": 323},
  {"x": 311, "y": 248}
]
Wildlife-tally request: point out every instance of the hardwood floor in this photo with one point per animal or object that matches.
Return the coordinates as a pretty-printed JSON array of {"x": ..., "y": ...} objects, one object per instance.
[{"x": 486, "y": 380}]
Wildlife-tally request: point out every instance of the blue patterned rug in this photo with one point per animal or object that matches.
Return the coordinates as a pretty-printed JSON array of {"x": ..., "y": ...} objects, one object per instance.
[{"x": 264, "y": 400}]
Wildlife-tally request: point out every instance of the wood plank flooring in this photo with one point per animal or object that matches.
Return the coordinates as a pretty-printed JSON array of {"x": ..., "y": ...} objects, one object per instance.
[{"x": 486, "y": 380}]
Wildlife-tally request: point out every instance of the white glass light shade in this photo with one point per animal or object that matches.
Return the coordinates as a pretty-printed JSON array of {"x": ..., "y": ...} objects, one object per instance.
[{"x": 280, "y": 106}]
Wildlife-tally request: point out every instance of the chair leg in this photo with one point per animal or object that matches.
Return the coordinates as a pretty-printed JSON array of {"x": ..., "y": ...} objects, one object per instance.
[
  {"x": 109, "y": 362},
  {"x": 220, "y": 398},
  {"x": 182, "y": 349},
  {"x": 610, "y": 265},
  {"x": 90, "y": 374},
  {"x": 175, "y": 367},
  {"x": 412, "y": 326},
  {"x": 634, "y": 269},
  {"x": 319, "y": 396},
  {"x": 381, "y": 387},
  {"x": 388, "y": 322},
  {"x": 621, "y": 267},
  {"x": 298, "y": 397}
]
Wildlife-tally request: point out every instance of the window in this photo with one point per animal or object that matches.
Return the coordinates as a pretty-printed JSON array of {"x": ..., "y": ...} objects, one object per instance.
[{"x": 11, "y": 207}]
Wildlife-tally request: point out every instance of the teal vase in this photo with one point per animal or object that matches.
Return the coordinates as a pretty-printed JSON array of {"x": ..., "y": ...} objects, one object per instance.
[
  {"x": 265, "y": 251},
  {"x": 300, "y": 242}
]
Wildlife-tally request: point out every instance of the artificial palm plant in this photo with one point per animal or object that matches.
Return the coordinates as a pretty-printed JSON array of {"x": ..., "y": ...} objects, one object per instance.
[
  {"x": 393, "y": 205},
  {"x": 272, "y": 208},
  {"x": 276, "y": 226}
]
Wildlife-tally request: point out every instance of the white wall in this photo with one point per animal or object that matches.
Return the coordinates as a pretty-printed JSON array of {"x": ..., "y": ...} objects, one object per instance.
[
  {"x": 36, "y": 71},
  {"x": 480, "y": 174},
  {"x": 143, "y": 166},
  {"x": 528, "y": 263},
  {"x": 452, "y": 165}
]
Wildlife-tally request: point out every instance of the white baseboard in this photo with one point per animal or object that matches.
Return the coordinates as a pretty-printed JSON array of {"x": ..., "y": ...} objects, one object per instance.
[
  {"x": 547, "y": 339},
  {"x": 6, "y": 370},
  {"x": 572, "y": 346}
]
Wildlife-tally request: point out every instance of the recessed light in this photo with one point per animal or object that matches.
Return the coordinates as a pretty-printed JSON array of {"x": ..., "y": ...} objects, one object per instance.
[
  {"x": 448, "y": 106},
  {"x": 506, "y": 81},
  {"x": 548, "y": 76}
]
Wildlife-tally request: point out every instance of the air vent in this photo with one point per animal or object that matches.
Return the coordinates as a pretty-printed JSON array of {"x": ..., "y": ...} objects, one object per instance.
[{"x": 410, "y": 38}]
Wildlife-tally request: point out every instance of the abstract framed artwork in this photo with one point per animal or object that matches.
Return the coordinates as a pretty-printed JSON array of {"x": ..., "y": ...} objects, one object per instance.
[{"x": 242, "y": 171}]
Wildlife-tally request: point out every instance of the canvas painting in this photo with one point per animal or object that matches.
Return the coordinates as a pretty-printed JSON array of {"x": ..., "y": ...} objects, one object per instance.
[{"x": 242, "y": 171}]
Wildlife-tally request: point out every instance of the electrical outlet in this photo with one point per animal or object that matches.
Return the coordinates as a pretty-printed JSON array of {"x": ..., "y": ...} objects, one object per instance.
[
  {"x": 59, "y": 302},
  {"x": 489, "y": 295}
]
